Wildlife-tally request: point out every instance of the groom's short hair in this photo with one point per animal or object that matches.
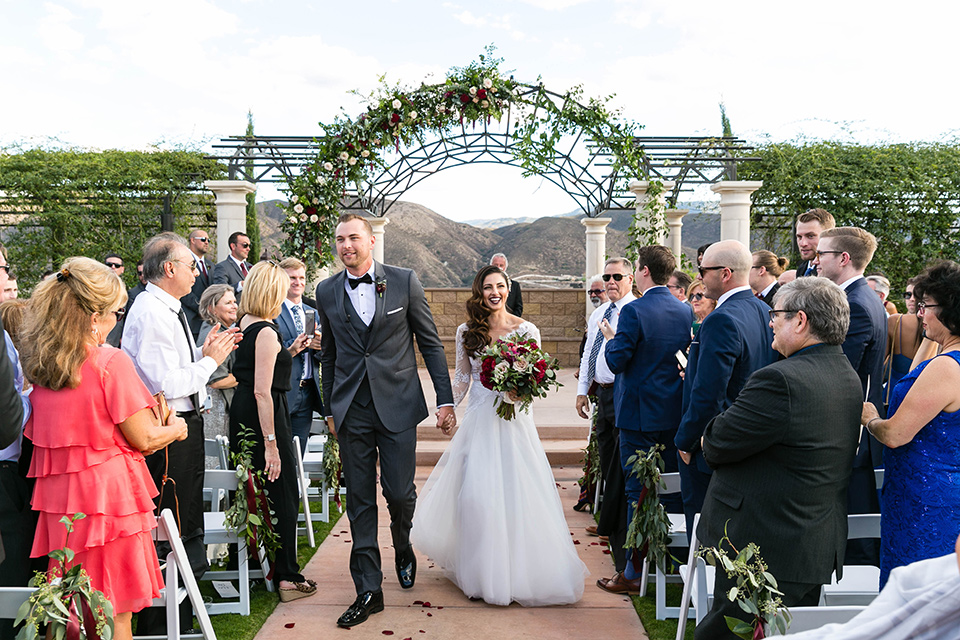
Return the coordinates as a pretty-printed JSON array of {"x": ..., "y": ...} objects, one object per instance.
[{"x": 347, "y": 217}]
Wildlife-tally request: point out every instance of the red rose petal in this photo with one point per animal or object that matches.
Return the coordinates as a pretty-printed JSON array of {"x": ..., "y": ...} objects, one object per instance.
[
  {"x": 438, "y": 608},
  {"x": 607, "y": 551},
  {"x": 429, "y": 614},
  {"x": 576, "y": 542},
  {"x": 289, "y": 625},
  {"x": 418, "y": 602},
  {"x": 387, "y": 632},
  {"x": 426, "y": 604}
]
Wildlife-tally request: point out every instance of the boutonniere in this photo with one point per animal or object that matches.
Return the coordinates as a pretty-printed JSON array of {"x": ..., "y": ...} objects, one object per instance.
[{"x": 381, "y": 285}]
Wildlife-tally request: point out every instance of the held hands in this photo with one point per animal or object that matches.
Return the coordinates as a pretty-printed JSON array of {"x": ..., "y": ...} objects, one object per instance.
[
  {"x": 446, "y": 420},
  {"x": 607, "y": 331},
  {"x": 583, "y": 405},
  {"x": 271, "y": 456}
]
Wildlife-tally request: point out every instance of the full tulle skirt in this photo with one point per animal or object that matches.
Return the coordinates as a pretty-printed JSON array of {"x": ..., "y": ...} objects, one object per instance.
[{"x": 491, "y": 518}]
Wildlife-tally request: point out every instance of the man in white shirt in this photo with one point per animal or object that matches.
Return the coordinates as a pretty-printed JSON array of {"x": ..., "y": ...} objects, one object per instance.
[
  {"x": 596, "y": 379},
  {"x": 158, "y": 340}
]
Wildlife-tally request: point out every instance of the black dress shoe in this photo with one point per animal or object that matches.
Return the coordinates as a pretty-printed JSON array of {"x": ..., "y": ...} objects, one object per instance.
[
  {"x": 366, "y": 603},
  {"x": 407, "y": 570}
]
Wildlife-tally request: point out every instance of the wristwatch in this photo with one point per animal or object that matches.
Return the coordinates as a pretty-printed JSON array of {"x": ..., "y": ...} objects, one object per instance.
[{"x": 271, "y": 437}]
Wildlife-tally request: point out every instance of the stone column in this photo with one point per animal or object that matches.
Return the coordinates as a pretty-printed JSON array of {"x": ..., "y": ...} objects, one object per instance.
[
  {"x": 231, "y": 200},
  {"x": 639, "y": 189},
  {"x": 596, "y": 229},
  {"x": 378, "y": 224},
  {"x": 735, "y": 208},
  {"x": 675, "y": 222}
]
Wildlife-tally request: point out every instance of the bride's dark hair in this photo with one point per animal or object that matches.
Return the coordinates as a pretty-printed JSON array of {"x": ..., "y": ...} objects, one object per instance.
[{"x": 477, "y": 335}]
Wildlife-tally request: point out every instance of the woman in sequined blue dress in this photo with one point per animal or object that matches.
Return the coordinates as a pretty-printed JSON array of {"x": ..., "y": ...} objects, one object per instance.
[{"x": 921, "y": 488}]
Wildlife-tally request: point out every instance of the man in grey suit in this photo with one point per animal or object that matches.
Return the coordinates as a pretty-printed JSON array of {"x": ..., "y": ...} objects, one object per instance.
[
  {"x": 783, "y": 452},
  {"x": 233, "y": 269},
  {"x": 370, "y": 314}
]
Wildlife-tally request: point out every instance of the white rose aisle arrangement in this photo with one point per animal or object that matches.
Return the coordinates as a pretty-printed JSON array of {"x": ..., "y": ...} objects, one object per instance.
[{"x": 516, "y": 364}]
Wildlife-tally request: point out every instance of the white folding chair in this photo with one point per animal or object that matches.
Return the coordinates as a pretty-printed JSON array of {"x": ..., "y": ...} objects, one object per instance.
[
  {"x": 312, "y": 462},
  {"x": 677, "y": 539},
  {"x": 878, "y": 474},
  {"x": 809, "y": 618},
  {"x": 698, "y": 578},
  {"x": 215, "y": 531},
  {"x": 303, "y": 483},
  {"x": 10, "y": 600},
  {"x": 178, "y": 572},
  {"x": 860, "y": 583}
]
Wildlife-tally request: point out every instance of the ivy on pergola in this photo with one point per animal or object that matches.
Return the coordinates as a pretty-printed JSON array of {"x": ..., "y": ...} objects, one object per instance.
[{"x": 353, "y": 149}]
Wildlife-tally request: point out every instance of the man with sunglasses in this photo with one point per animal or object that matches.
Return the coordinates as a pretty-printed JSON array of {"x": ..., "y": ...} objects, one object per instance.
[
  {"x": 842, "y": 256},
  {"x": 596, "y": 292},
  {"x": 199, "y": 245},
  {"x": 734, "y": 341},
  {"x": 115, "y": 262},
  {"x": 234, "y": 268}
]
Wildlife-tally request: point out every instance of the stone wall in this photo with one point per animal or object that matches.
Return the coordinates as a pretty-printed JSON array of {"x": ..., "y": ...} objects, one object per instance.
[{"x": 558, "y": 313}]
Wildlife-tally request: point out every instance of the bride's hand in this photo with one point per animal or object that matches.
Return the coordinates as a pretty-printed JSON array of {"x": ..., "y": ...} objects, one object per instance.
[{"x": 513, "y": 397}]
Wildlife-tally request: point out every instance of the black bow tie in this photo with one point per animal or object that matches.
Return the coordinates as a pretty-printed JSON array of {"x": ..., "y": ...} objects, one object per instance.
[{"x": 355, "y": 282}]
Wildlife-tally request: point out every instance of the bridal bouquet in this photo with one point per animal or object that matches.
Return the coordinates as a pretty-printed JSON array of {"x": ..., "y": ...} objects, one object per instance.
[{"x": 516, "y": 364}]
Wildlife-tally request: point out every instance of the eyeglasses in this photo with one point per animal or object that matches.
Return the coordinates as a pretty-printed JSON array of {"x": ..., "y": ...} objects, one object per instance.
[
  {"x": 908, "y": 295},
  {"x": 823, "y": 253},
  {"x": 5, "y": 267},
  {"x": 192, "y": 264},
  {"x": 923, "y": 306},
  {"x": 120, "y": 313},
  {"x": 114, "y": 265},
  {"x": 773, "y": 312},
  {"x": 697, "y": 296},
  {"x": 245, "y": 245},
  {"x": 702, "y": 270},
  {"x": 202, "y": 239},
  {"x": 595, "y": 292},
  {"x": 757, "y": 266},
  {"x": 616, "y": 276},
  {"x": 675, "y": 286}
]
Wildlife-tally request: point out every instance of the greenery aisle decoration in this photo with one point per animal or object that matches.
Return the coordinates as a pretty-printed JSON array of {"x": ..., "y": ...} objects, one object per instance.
[
  {"x": 591, "y": 466},
  {"x": 755, "y": 592},
  {"x": 331, "y": 468},
  {"x": 650, "y": 526},
  {"x": 65, "y": 601},
  {"x": 353, "y": 149},
  {"x": 250, "y": 514}
]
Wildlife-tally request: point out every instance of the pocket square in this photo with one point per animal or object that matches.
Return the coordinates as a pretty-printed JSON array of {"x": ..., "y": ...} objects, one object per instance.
[{"x": 398, "y": 309}]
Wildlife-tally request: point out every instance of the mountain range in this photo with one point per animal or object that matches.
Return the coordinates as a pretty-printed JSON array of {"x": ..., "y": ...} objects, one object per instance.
[{"x": 445, "y": 253}]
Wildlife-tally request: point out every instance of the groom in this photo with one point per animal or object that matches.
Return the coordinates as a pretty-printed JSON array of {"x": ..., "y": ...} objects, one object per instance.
[{"x": 370, "y": 313}]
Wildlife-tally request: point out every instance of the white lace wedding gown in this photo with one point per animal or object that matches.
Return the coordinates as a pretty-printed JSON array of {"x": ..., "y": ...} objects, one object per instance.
[{"x": 490, "y": 515}]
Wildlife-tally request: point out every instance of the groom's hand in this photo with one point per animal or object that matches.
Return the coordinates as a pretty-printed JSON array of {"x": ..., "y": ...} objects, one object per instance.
[
  {"x": 331, "y": 428},
  {"x": 446, "y": 419}
]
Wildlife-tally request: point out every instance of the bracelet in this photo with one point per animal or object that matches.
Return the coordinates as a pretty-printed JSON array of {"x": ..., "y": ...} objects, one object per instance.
[{"x": 870, "y": 422}]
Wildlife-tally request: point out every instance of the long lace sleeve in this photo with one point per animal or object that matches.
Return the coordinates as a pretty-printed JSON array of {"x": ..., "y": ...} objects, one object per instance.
[
  {"x": 533, "y": 332},
  {"x": 461, "y": 374}
]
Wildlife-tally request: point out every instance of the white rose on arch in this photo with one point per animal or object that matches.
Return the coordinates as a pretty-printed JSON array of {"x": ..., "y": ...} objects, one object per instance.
[
  {"x": 412, "y": 115},
  {"x": 396, "y": 103},
  {"x": 352, "y": 161},
  {"x": 328, "y": 166},
  {"x": 303, "y": 217},
  {"x": 344, "y": 156},
  {"x": 316, "y": 201},
  {"x": 473, "y": 91},
  {"x": 298, "y": 208},
  {"x": 292, "y": 219},
  {"x": 484, "y": 104},
  {"x": 321, "y": 181},
  {"x": 314, "y": 218},
  {"x": 365, "y": 153},
  {"x": 294, "y": 199},
  {"x": 487, "y": 83}
]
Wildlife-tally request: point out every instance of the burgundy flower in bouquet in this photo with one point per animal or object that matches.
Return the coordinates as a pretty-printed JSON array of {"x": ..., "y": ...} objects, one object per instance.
[{"x": 517, "y": 365}]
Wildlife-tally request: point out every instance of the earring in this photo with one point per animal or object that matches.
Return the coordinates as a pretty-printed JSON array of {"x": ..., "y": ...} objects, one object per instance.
[{"x": 97, "y": 335}]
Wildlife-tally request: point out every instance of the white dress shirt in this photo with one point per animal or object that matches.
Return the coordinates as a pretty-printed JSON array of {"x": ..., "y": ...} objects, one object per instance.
[
  {"x": 844, "y": 285},
  {"x": 240, "y": 267},
  {"x": 363, "y": 298},
  {"x": 603, "y": 375},
  {"x": 763, "y": 294},
  {"x": 724, "y": 297},
  {"x": 154, "y": 338}
]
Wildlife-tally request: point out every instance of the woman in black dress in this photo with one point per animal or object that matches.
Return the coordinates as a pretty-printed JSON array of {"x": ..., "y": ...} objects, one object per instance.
[{"x": 262, "y": 369}]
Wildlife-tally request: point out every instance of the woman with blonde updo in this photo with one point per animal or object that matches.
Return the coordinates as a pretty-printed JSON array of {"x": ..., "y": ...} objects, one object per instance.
[
  {"x": 92, "y": 422},
  {"x": 766, "y": 269}
]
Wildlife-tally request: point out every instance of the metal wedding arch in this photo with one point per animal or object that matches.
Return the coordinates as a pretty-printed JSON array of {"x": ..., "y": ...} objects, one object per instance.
[{"x": 581, "y": 166}]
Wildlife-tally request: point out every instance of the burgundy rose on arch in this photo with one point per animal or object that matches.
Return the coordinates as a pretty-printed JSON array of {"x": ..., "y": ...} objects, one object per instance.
[
  {"x": 448, "y": 95},
  {"x": 395, "y": 118},
  {"x": 465, "y": 98},
  {"x": 310, "y": 211},
  {"x": 482, "y": 93}
]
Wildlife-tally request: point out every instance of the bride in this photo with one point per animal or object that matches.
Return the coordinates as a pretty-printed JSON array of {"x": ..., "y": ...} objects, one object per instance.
[{"x": 490, "y": 515}]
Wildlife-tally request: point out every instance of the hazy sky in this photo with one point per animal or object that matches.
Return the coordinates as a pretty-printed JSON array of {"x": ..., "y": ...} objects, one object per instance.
[{"x": 131, "y": 74}]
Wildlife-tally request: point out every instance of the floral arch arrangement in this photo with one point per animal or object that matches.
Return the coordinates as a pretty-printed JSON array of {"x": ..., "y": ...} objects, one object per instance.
[{"x": 353, "y": 151}]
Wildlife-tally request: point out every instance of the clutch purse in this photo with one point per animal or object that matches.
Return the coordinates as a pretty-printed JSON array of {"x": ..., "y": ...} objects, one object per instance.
[{"x": 162, "y": 409}]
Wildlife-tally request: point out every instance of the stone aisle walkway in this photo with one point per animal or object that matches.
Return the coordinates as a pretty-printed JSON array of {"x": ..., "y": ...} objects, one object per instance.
[{"x": 435, "y": 608}]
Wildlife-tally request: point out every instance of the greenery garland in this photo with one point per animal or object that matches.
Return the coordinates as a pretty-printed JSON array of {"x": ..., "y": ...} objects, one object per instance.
[
  {"x": 331, "y": 468},
  {"x": 65, "y": 600},
  {"x": 650, "y": 526},
  {"x": 353, "y": 149}
]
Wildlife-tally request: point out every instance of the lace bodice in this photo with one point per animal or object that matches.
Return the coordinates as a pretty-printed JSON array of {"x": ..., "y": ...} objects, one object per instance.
[{"x": 468, "y": 368}]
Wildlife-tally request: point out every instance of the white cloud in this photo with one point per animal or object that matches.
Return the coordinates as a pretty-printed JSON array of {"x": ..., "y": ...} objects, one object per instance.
[
  {"x": 55, "y": 31},
  {"x": 554, "y": 5}
]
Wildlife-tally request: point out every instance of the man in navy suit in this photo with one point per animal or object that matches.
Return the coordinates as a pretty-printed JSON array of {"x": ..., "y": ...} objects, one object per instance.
[
  {"x": 647, "y": 390},
  {"x": 842, "y": 256},
  {"x": 734, "y": 341},
  {"x": 810, "y": 226},
  {"x": 233, "y": 269},
  {"x": 304, "y": 395}
]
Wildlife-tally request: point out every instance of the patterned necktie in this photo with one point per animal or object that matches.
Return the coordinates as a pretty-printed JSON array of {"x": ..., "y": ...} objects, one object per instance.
[
  {"x": 298, "y": 321},
  {"x": 595, "y": 349},
  {"x": 809, "y": 271}
]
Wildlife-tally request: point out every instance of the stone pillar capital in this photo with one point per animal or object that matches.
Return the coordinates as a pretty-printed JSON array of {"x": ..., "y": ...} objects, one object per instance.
[
  {"x": 378, "y": 224},
  {"x": 735, "y": 208},
  {"x": 230, "y": 197},
  {"x": 596, "y": 236},
  {"x": 675, "y": 223}
]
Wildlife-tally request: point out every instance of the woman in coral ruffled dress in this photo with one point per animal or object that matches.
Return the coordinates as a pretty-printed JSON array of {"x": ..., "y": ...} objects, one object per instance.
[{"x": 92, "y": 422}]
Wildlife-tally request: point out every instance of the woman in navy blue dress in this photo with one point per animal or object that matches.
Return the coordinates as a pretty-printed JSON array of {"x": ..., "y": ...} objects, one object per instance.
[{"x": 921, "y": 488}]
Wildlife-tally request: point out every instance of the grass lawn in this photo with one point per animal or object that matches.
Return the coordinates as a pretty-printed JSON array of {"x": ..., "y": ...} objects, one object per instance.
[
  {"x": 646, "y": 609},
  {"x": 232, "y": 626}
]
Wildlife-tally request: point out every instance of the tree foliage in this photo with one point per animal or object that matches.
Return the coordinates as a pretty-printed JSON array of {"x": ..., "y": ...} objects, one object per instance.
[
  {"x": 253, "y": 224},
  {"x": 57, "y": 203},
  {"x": 907, "y": 195}
]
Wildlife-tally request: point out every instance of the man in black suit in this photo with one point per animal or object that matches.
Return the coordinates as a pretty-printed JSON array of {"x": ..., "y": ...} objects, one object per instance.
[
  {"x": 199, "y": 246},
  {"x": 781, "y": 454},
  {"x": 370, "y": 314},
  {"x": 766, "y": 268},
  {"x": 233, "y": 269},
  {"x": 514, "y": 302},
  {"x": 733, "y": 342},
  {"x": 810, "y": 224},
  {"x": 842, "y": 256}
]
